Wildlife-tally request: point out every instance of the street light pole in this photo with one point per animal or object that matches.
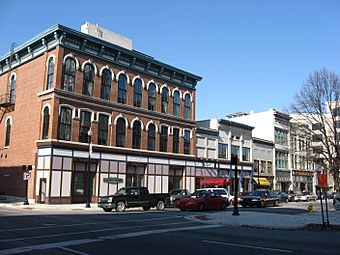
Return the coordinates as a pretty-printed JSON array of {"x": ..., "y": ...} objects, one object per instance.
[
  {"x": 88, "y": 195},
  {"x": 234, "y": 160}
]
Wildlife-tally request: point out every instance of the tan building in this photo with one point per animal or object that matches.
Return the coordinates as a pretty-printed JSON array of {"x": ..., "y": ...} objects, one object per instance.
[{"x": 64, "y": 83}]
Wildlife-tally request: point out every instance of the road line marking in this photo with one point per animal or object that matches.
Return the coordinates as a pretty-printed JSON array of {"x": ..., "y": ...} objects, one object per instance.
[
  {"x": 73, "y": 251},
  {"x": 46, "y": 246},
  {"x": 246, "y": 246},
  {"x": 156, "y": 231}
]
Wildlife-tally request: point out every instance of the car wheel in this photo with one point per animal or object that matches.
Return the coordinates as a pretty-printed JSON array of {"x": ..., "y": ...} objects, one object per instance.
[
  {"x": 120, "y": 207},
  {"x": 286, "y": 201},
  {"x": 107, "y": 209},
  {"x": 160, "y": 206},
  {"x": 262, "y": 203},
  {"x": 146, "y": 208},
  {"x": 202, "y": 207},
  {"x": 275, "y": 203},
  {"x": 223, "y": 206}
]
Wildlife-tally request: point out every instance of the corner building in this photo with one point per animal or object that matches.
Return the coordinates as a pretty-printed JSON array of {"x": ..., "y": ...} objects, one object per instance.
[{"x": 63, "y": 83}]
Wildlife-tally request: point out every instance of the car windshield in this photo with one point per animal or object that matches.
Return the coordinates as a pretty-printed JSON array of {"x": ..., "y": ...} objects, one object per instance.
[
  {"x": 199, "y": 194},
  {"x": 175, "y": 192},
  {"x": 244, "y": 193},
  {"x": 256, "y": 193},
  {"x": 306, "y": 193},
  {"x": 122, "y": 191},
  {"x": 220, "y": 192}
]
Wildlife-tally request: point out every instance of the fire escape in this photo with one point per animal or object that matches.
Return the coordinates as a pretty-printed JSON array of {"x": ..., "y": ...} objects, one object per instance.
[{"x": 7, "y": 99}]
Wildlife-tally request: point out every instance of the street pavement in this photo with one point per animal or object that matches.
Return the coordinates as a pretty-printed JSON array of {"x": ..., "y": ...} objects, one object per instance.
[{"x": 291, "y": 215}]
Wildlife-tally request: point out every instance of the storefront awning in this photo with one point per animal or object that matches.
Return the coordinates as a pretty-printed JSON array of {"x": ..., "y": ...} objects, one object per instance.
[
  {"x": 263, "y": 181},
  {"x": 215, "y": 181}
]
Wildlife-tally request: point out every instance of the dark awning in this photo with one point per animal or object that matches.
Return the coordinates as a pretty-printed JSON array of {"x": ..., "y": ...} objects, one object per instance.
[{"x": 215, "y": 181}]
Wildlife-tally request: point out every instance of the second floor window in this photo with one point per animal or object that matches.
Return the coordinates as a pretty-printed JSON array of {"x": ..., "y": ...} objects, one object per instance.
[
  {"x": 12, "y": 89},
  {"x": 120, "y": 133},
  {"x": 235, "y": 151},
  {"x": 85, "y": 124},
  {"x": 106, "y": 85},
  {"x": 69, "y": 75},
  {"x": 151, "y": 137},
  {"x": 65, "y": 121},
  {"x": 122, "y": 89},
  {"x": 175, "y": 141},
  {"x": 222, "y": 150},
  {"x": 103, "y": 129},
  {"x": 245, "y": 154},
  {"x": 8, "y": 132},
  {"x": 186, "y": 142},
  {"x": 163, "y": 145},
  {"x": 88, "y": 81},
  {"x": 152, "y": 97},
  {"x": 46, "y": 122},
  {"x": 136, "y": 135},
  {"x": 137, "y": 93},
  {"x": 177, "y": 103},
  {"x": 50, "y": 72},
  {"x": 187, "y": 107},
  {"x": 165, "y": 100}
]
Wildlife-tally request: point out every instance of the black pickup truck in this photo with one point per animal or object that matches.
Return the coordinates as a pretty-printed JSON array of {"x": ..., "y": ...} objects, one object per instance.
[{"x": 133, "y": 197}]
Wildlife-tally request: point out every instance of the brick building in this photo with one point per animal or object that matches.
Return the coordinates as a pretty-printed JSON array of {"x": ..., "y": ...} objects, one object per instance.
[{"x": 63, "y": 83}]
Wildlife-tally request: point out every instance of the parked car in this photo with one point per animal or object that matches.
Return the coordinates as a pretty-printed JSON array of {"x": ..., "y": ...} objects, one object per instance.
[
  {"x": 132, "y": 197},
  {"x": 175, "y": 195},
  {"x": 291, "y": 194},
  {"x": 220, "y": 191},
  {"x": 306, "y": 196},
  {"x": 240, "y": 197},
  {"x": 202, "y": 200},
  {"x": 260, "y": 198},
  {"x": 336, "y": 201},
  {"x": 283, "y": 197}
]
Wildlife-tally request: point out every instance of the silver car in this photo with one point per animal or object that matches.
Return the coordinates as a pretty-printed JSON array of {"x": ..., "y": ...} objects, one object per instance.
[{"x": 336, "y": 201}]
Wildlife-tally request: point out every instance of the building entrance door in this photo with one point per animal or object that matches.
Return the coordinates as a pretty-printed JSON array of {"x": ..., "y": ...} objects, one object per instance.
[
  {"x": 80, "y": 183},
  {"x": 42, "y": 190}
]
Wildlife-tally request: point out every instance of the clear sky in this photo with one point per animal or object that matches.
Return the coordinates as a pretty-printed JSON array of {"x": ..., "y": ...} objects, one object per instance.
[{"x": 252, "y": 55}]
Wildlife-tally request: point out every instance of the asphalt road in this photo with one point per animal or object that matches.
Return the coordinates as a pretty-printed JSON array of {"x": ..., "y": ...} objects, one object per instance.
[{"x": 139, "y": 232}]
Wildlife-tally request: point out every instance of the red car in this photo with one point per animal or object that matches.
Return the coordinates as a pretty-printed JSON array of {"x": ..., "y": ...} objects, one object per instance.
[{"x": 203, "y": 200}]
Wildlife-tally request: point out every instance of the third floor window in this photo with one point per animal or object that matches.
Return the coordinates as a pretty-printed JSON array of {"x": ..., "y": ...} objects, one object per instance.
[
  {"x": 152, "y": 97},
  {"x": 88, "y": 81},
  {"x": 106, "y": 85}
]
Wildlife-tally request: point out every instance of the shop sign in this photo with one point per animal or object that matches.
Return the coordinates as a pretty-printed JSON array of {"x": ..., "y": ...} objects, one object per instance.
[{"x": 113, "y": 180}]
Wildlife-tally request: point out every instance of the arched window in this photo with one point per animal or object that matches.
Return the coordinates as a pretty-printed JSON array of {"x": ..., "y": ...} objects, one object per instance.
[
  {"x": 12, "y": 91},
  {"x": 122, "y": 88},
  {"x": 65, "y": 121},
  {"x": 103, "y": 129},
  {"x": 69, "y": 74},
  {"x": 186, "y": 142},
  {"x": 8, "y": 132},
  {"x": 163, "y": 145},
  {"x": 84, "y": 127},
  {"x": 50, "y": 72},
  {"x": 165, "y": 100},
  {"x": 88, "y": 80},
  {"x": 177, "y": 103},
  {"x": 175, "y": 141},
  {"x": 120, "y": 133},
  {"x": 151, "y": 137},
  {"x": 137, "y": 93},
  {"x": 46, "y": 123},
  {"x": 136, "y": 135},
  {"x": 106, "y": 84},
  {"x": 187, "y": 107},
  {"x": 152, "y": 97}
]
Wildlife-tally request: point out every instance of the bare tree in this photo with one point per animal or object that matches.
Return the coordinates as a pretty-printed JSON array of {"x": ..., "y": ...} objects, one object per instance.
[{"x": 318, "y": 105}]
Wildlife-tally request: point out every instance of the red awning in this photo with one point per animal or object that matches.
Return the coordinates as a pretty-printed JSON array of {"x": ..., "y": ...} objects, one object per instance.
[{"x": 215, "y": 181}]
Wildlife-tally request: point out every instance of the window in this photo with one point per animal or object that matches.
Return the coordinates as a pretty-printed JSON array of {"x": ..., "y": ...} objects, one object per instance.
[
  {"x": 103, "y": 129},
  {"x": 187, "y": 107},
  {"x": 151, "y": 137},
  {"x": 46, "y": 122},
  {"x": 12, "y": 91},
  {"x": 235, "y": 151},
  {"x": 50, "y": 72},
  {"x": 163, "y": 145},
  {"x": 106, "y": 85},
  {"x": 88, "y": 80},
  {"x": 222, "y": 150},
  {"x": 336, "y": 111},
  {"x": 317, "y": 138},
  {"x": 186, "y": 142},
  {"x": 137, "y": 93},
  {"x": 165, "y": 100},
  {"x": 317, "y": 126},
  {"x": 281, "y": 137},
  {"x": 8, "y": 132},
  {"x": 120, "y": 133},
  {"x": 122, "y": 88},
  {"x": 152, "y": 97},
  {"x": 317, "y": 149},
  {"x": 177, "y": 102},
  {"x": 85, "y": 124},
  {"x": 256, "y": 166},
  {"x": 245, "y": 154},
  {"x": 65, "y": 120},
  {"x": 175, "y": 137},
  {"x": 270, "y": 167},
  {"x": 69, "y": 74},
  {"x": 281, "y": 159},
  {"x": 136, "y": 135}
]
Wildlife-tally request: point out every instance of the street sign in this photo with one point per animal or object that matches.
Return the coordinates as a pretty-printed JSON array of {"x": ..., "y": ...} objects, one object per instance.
[
  {"x": 113, "y": 180},
  {"x": 26, "y": 176}
]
